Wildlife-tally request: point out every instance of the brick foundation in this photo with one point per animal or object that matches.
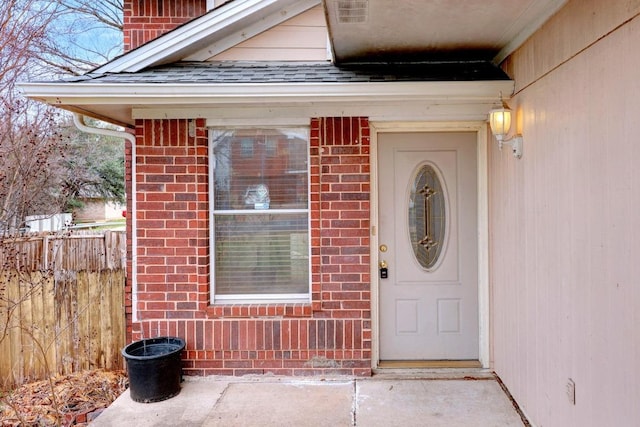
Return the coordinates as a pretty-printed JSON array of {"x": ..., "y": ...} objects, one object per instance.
[{"x": 331, "y": 335}]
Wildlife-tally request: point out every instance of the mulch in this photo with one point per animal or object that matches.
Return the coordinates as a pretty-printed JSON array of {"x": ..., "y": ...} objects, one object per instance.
[{"x": 77, "y": 398}]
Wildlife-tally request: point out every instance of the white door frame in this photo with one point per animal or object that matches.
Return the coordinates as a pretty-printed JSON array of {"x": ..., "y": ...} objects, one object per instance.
[{"x": 483, "y": 226}]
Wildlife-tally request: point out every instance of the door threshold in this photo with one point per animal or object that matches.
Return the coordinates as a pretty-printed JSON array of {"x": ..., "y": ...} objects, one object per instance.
[
  {"x": 429, "y": 364},
  {"x": 432, "y": 370}
]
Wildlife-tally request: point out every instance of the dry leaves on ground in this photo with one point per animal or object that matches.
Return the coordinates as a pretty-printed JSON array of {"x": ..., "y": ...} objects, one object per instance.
[{"x": 76, "y": 394}]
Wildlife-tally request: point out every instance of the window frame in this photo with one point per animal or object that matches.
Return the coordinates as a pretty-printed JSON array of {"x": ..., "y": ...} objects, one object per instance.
[{"x": 289, "y": 298}]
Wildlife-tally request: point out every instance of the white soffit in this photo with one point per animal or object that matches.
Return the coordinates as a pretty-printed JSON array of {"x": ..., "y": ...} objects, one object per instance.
[
  {"x": 368, "y": 30},
  {"x": 210, "y": 34}
]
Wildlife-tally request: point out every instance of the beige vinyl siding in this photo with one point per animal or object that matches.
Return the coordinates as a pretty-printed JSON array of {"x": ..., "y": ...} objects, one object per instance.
[
  {"x": 302, "y": 38},
  {"x": 564, "y": 256},
  {"x": 575, "y": 27}
]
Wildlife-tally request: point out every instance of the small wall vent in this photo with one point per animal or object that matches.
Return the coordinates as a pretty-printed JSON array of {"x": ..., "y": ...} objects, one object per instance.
[{"x": 352, "y": 11}]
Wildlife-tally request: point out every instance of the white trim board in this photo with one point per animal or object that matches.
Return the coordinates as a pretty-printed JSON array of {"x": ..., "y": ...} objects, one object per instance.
[
  {"x": 384, "y": 101},
  {"x": 166, "y": 94}
]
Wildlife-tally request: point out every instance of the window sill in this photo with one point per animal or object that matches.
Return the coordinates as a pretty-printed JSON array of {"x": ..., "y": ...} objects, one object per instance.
[{"x": 273, "y": 309}]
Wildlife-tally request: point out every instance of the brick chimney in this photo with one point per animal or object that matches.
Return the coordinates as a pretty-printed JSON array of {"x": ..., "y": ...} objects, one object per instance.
[{"x": 144, "y": 20}]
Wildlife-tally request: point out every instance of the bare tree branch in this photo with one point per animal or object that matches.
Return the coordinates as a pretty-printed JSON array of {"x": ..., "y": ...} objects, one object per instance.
[
  {"x": 42, "y": 170},
  {"x": 87, "y": 33},
  {"x": 22, "y": 31}
]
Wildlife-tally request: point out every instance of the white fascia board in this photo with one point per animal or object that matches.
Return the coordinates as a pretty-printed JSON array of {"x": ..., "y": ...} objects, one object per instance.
[
  {"x": 182, "y": 40},
  {"x": 279, "y": 93}
]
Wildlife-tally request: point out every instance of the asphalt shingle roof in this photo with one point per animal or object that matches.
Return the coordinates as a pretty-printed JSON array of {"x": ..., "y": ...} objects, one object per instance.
[{"x": 298, "y": 72}]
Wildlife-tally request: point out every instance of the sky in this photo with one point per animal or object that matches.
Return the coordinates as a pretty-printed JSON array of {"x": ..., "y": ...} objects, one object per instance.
[{"x": 84, "y": 36}]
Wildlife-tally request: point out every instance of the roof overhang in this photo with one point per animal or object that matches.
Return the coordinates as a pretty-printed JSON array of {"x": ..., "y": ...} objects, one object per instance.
[
  {"x": 124, "y": 103},
  {"x": 390, "y": 29}
]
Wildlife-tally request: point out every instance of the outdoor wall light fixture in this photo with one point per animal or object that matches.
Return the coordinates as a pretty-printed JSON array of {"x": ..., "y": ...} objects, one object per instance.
[{"x": 500, "y": 122}]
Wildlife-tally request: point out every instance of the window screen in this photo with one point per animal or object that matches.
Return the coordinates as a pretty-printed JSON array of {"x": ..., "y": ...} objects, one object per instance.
[{"x": 260, "y": 213}]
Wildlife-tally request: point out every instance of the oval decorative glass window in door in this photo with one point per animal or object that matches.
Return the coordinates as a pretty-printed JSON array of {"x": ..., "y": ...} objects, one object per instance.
[{"x": 427, "y": 216}]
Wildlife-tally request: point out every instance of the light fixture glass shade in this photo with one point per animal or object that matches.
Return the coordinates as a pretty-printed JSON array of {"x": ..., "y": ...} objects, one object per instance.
[{"x": 500, "y": 122}]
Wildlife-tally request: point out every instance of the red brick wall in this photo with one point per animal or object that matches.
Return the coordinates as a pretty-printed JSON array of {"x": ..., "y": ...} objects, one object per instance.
[
  {"x": 172, "y": 220},
  {"x": 330, "y": 335},
  {"x": 145, "y": 20}
]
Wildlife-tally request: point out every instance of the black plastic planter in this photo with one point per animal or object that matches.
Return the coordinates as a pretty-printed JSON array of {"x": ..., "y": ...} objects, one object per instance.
[{"x": 154, "y": 368}]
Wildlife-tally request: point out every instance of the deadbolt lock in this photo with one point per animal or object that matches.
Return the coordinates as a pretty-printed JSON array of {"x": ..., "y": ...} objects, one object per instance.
[{"x": 384, "y": 271}]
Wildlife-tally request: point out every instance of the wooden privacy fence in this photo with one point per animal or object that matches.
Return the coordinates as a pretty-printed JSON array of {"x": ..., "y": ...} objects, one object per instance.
[{"x": 61, "y": 305}]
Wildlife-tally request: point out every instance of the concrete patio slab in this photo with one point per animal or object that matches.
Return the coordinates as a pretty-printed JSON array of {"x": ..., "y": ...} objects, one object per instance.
[
  {"x": 189, "y": 408},
  {"x": 273, "y": 404},
  {"x": 434, "y": 403},
  {"x": 385, "y": 400}
]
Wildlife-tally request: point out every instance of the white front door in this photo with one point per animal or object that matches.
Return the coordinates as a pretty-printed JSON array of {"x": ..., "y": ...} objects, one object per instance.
[{"x": 428, "y": 243}]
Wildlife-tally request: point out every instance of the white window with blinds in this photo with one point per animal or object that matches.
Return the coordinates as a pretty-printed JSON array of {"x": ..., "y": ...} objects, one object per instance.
[{"x": 260, "y": 215}]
